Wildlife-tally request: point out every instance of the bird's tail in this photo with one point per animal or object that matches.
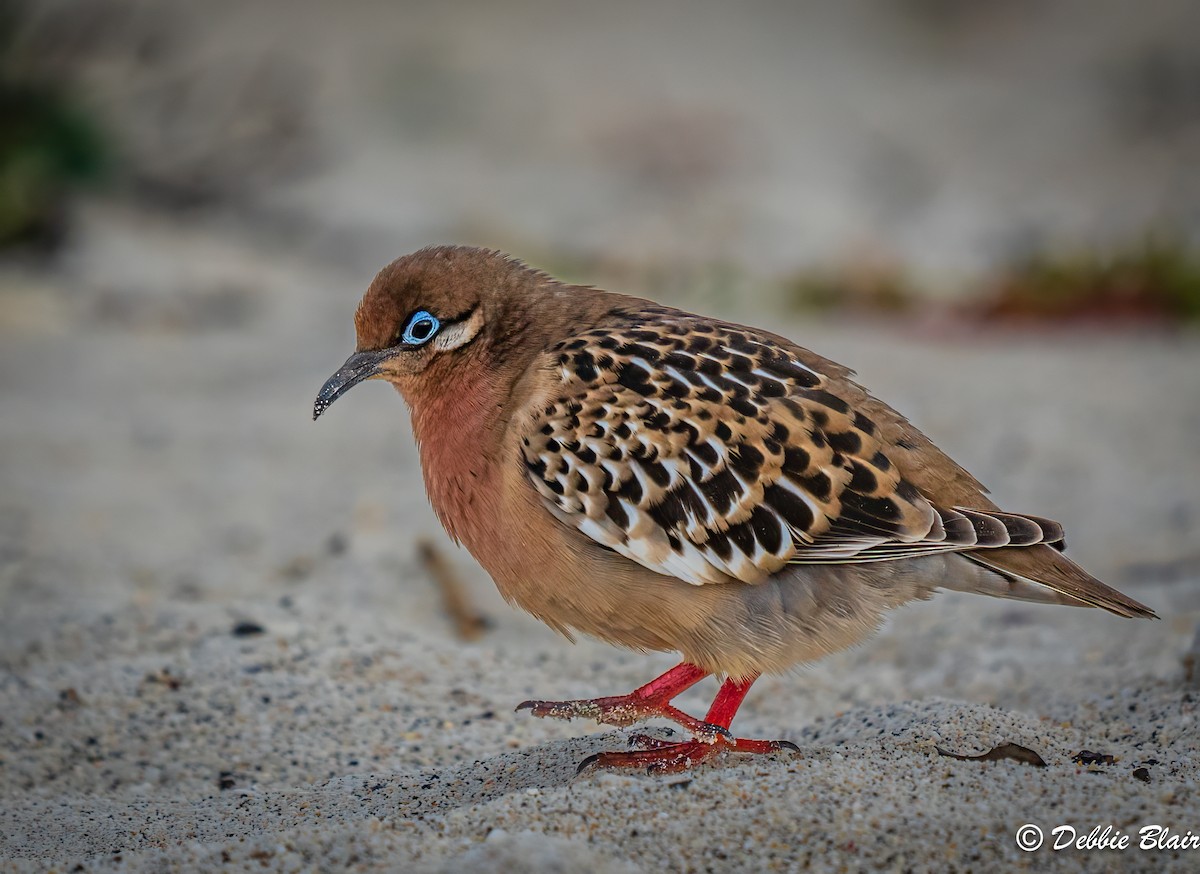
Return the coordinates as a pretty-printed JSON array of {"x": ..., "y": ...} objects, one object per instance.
[{"x": 1041, "y": 573}]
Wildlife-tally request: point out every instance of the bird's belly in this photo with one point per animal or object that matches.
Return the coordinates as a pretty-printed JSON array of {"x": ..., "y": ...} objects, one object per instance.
[{"x": 735, "y": 629}]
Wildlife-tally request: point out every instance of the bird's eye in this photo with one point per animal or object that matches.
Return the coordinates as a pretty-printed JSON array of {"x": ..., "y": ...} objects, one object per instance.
[{"x": 420, "y": 328}]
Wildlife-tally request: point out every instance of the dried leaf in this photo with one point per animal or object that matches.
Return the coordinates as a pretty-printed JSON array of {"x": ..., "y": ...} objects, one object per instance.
[{"x": 999, "y": 753}]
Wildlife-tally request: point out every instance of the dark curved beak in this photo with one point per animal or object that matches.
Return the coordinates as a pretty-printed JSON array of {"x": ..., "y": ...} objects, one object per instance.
[{"x": 358, "y": 367}]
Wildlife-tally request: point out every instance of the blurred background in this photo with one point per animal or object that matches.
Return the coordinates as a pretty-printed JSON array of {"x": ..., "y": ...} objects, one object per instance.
[
  {"x": 991, "y": 210},
  {"x": 923, "y": 145}
]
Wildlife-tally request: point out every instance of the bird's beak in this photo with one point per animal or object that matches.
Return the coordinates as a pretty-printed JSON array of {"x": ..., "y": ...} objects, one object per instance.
[{"x": 358, "y": 367}]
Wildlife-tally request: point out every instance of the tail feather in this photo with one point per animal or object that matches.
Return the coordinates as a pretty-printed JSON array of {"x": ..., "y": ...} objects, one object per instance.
[
  {"x": 992, "y": 529},
  {"x": 1027, "y": 569},
  {"x": 994, "y": 584}
]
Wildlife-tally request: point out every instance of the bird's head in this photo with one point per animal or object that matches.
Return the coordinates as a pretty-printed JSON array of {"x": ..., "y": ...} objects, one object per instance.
[{"x": 434, "y": 313}]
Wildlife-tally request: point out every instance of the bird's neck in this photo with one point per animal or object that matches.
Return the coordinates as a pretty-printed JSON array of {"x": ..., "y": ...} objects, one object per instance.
[
  {"x": 461, "y": 413},
  {"x": 459, "y": 427}
]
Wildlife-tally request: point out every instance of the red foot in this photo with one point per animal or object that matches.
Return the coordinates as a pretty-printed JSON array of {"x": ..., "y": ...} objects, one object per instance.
[
  {"x": 620, "y": 710},
  {"x": 662, "y": 757},
  {"x": 712, "y": 735},
  {"x": 641, "y": 704}
]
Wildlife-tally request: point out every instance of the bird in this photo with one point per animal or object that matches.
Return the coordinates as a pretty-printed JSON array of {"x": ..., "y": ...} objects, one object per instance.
[{"x": 666, "y": 481}]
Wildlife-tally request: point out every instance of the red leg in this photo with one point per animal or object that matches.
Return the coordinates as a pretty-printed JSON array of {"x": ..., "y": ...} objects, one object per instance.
[
  {"x": 725, "y": 705},
  {"x": 729, "y": 699},
  {"x": 712, "y": 735}
]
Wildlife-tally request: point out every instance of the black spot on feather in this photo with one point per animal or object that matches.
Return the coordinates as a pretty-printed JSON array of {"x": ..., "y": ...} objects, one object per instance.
[
  {"x": 658, "y": 420},
  {"x": 818, "y": 485},
  {"x": 720, "y": 545},
  {"x": 826, "y": 399},
  {"x": 845, "y": 441},
  {"x": 676, "y": 389},
  {"x": 679, "y": 360},
  {"x": 631, "y": 490},
  {"x": 706, "y": 453},
  {"x": 749, "y": 457},
  {"x": 722, "y": 490},
  {"x": 635, "y": 378},
  {"x": 769, "y": 388},
  {"x": 742, "y": 536},
  {"x": 799, "y": 375},
  {"x": 585, "y": 366},
  {"x": 743, "y": 406},
  {"x": 668, "y": 513},
  {"x": 657, "y": 473},
  {"x": 884, "y": 509},
  {"x": 862, "y": 423},
  {"x": 795, "y": 460},
  {"x": 907, "y": 491},
  {"x": 688, "y": 429},
  {"x": 766, "y": 527},
  {"x": 616, "y": 512},
  {"x": 789, "y": 506},
  {"x": 740, "y": 364},
  {"x": 863, "y": 479},
  {"x": 637, "y": 350}
]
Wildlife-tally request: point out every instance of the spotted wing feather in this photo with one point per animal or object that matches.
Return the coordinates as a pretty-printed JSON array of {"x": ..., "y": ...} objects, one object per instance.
[{"x": 705, "y": 451}]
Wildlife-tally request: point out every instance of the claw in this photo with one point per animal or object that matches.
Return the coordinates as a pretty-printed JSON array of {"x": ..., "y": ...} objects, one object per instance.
[
  {"x": 587, "y": 763},
  {"x": 717, "y": 731}
]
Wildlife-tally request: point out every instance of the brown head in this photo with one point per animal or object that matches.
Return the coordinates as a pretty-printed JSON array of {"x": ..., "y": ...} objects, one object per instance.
[{"x": 445, "y": 315}]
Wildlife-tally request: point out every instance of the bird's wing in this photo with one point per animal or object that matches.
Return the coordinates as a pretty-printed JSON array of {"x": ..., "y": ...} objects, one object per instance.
[{"x": 709, "y": 452}]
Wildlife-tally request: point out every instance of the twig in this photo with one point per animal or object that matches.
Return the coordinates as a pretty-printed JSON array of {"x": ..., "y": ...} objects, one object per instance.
[{"x": 469, "y": 623}]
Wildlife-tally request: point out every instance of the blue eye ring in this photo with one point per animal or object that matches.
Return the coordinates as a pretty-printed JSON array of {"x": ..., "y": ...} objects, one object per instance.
[{"x": 421, "y": 327}]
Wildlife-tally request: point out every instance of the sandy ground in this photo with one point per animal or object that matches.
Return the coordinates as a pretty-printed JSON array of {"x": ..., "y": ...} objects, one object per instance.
[{"x": 218, "y": 646}]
